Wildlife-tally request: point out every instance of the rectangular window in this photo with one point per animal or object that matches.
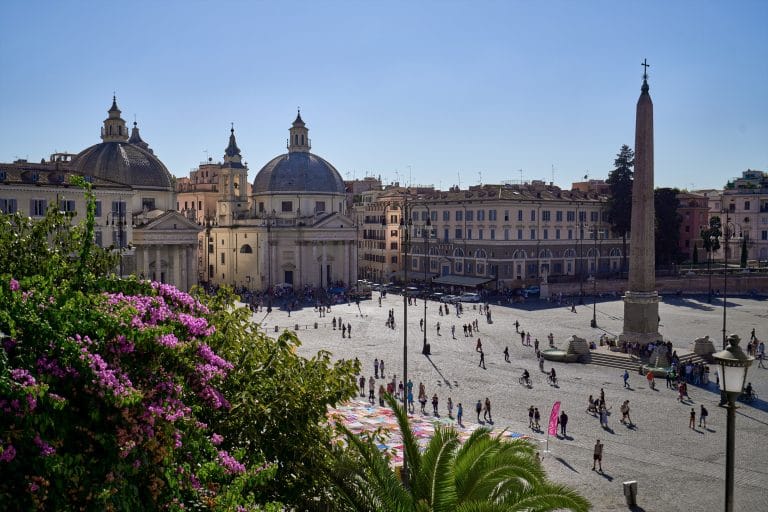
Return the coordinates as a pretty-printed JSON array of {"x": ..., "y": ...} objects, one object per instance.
[
  {"x": 480, "y": 215},
  {"x": 67, "y": 205},
  {"x": 533, "y": 234},
  {"x": 570, "y": 216},
  {"x": 582, "y": 216},
  {"x": 546, "y": 234},
  {"x": 261, "y": 207},
  {"x": 286, "y": 206},
  {"x": 570, "y": 234},
  {"x": 506, "y": 233},
  {"x": 492, "y": 215},
  {"x": 764, "y": 235},
  {"x": 533, "y": 215},
  {"x": 8, "y": 206},
  {"x": 469, "y": 234},
  {"x": 446, "y": 215},
  {"x": 746, "y": 205},
  {"x": 506, "y": 215},
  {"x": 545, "y": 216},
  {"x": 118, "y": 208},
  {"x": 319, "y": 206},
  {"x": 37, "y": 207},
  {"x": 223, "y": 258},
  {"x": 493, "y": 234},
  {"x": 99, "y": 238},
  {"x": 199, "y": 205},
  {"x": 557, "y": 234},
  {"x": 593, "y": 216},
  {"x": 520, "y": 215},
  {"x": 479, "y": 234},
  {"x": 559, "y": 216},
  {"x": 148, "y": 203},
  {"x": 445, "y": 234},
  {"x": 393, "y": 232},
  {"x": 393, "y": 246},
  {"x": 457, "y": 234},
  {"x": 470, "y": 215},
  {"x": 98, "y": 209},
  {"x": 433, "y": 216},
  {"x": 519, "y": 234},
  {"x": 459, "y": 215},
  {"x": 393, "y": 259}
]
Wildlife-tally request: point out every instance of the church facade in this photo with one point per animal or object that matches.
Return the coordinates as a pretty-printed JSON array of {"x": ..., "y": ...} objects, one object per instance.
[
  {"x": 293, "y": 229},
  {"x": 135, "y": 201}
]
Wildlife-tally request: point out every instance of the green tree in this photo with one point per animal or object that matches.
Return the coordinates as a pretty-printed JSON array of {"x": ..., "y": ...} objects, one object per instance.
[
  {"x": 667, "y": 232},
  {"x": 744, "y": 253},
  {"x": 620, "y": 202},
  {"x": 485, "y": 473},
  {"x": 279, "y": 401}
]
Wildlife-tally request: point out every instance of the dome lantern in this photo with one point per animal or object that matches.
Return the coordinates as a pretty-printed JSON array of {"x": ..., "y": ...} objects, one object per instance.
[
  {"x": 298, "y": 140},
  {"x": 114, "y": 129}
]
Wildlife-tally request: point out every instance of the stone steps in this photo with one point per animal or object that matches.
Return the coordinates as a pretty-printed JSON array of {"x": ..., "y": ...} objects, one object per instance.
[{"x": 626, "y": 362}]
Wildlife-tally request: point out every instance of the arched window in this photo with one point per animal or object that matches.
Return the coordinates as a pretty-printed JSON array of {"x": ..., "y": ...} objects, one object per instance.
[
  {"x": 615, "y": 252},
  {"x": 569, "y": 253},
  {"x": 545, "y": 253},
  {"x": 246, "y": 249},
  {"x": 296, "y": 139},
  {"x": 481, "y": 254},
  {"x": 302, "y": 140},
  {"x": 458, "y": 253},
  {"x": 592, "y": 253}
]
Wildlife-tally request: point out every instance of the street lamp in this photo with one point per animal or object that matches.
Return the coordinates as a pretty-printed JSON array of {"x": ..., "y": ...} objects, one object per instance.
[
  {"x": 727, "y": 234},
  {"x": 405, "y": 223},
  {"x": 593, "y": 323},
  {"x": 733, "y": 363},
  {"x": 580, "y": 241},
  {"x": 424, "y": 347}
]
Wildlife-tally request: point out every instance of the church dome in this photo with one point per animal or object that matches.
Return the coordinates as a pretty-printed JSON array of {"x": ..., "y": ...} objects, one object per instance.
[
  {"x": 121, "y": 159},
  {"x": 298, "y": 170}
]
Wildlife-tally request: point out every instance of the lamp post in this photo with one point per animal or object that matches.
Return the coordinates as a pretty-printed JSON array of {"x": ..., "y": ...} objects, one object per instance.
[
  {"x": 580, "y": 241},
  {"x": 733, "y": 363},
  {"x": 593, "y": 323},
  {"x": 405, "y": 222},
  {"x": 383, "y": 241},
  {"x": 425, "y": 347},
  {"x": 727, "y": 234}
]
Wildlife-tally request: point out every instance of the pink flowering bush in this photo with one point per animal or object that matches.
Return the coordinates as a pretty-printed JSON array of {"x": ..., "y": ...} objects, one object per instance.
[{"x": 109, "y": 389}]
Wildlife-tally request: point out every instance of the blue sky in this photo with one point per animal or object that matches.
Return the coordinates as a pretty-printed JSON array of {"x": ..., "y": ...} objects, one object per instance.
[{"x": 435, "y": 93}]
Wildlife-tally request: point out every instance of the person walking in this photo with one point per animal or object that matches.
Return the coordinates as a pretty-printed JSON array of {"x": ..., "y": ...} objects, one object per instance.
[
  {"x": 487, "y": 410},
  {"x": 506, "y": 354},
  {"x": 349, "y": 330},
  {"x": 536, "y": 418},
  {"x": 692, "y": 419},
  {"x": 651, "y": 381},
  {"x": 423, "y": 402},
  {"x": 459, "y": 414},
  {"x": 371, "y": 385},
  {"x": 626, "y": 378},
  {"x": 449, "y": 404},
  {"x": 597, "y": 456},
  {"x": 603, "y": 416},
  {"x": 410, "y": 400},
  {"x": 453, "y": 331},
  {"x": 376, "y": 367},
  {"x": 381, "y": 368},
  {"x": 362, "y": 385},
  {"x": 482, "y": 360},
  {"x": 438, "y": 328},
  {"x": 703, "y": 413},
  {"x": 434, "y": 404},
  {"x": 478, "y": 409},
  {"x": 517, "y": 326},
  {"x": 382, "y": 392},
  {"x": 761, "y": 354},
  {"x": 479, "y": 346},
  {"x": 563, "y": 424},
  {"x": 530, "y": 417},
  {"x": 625, "y": 418}
]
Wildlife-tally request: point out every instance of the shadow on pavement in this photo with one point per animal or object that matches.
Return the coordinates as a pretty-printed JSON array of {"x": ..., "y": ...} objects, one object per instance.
[
  {"x": 439, "y": 372},
  {"x": 564, "y": 463}
]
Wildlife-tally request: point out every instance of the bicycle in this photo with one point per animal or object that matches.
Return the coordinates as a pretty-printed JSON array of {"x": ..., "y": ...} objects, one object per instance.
[
  {"x": 524, "y": 381},
  {"x": 552, "y": 380}
]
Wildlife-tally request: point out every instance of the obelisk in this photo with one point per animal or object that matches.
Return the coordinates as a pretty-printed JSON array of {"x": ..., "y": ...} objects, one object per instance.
[{"x": 641, "y": 301}]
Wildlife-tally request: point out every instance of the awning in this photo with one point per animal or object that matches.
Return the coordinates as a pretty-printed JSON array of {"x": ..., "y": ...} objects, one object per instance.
[
  {"x": 414, "y": 275},
  {"x": 462, "y": 280}
]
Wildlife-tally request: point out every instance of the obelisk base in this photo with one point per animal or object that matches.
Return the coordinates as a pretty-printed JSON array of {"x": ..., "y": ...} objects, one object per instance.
[{"x": 641, "y": 318}]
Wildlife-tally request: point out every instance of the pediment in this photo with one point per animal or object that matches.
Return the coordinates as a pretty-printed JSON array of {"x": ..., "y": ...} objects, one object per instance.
[
  {"x": 170, "y": 221},
  {"x": 335, "y": 222}
]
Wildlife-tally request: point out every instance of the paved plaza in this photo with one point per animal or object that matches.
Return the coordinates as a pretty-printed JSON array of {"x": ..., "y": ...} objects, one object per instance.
[{"x": 677, "y": 468}]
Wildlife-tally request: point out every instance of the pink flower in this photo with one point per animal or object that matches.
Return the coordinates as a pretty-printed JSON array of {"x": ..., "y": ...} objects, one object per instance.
[
  {"x": 168, "y": 340},
  {"x": 8, "y": 453},
  {"x": 14, "y": 284},
  {"x": 216, "y": 439},
  {"x": 45, "y": 449},
  {"x": 230, "y": 464}
]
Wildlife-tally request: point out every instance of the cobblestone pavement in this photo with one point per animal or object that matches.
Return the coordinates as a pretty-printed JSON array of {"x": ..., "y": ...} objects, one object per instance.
[{"x": 677, "y": 468}]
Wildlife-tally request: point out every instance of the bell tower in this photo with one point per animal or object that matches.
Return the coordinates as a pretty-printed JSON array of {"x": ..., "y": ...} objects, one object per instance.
[
  {"x": 114, "y": 129},
  {"x": 298, "y": 141}
]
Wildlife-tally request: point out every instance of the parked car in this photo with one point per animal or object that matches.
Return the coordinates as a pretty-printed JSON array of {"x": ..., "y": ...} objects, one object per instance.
[
  {"x": 450, "y": 299},
  {"x": 437, "y": 296},
  {"x": 532, "y": 289},
  {"x": 469, "y": 297}
]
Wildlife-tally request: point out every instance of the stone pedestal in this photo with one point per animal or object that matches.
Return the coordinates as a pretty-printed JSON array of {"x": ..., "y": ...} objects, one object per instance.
[
  {"x": 544, "y": 290},
  {"x": 641, "y": 318},
  {"x": 704, "y": 347},
  {"x": 577, "y": 346}
]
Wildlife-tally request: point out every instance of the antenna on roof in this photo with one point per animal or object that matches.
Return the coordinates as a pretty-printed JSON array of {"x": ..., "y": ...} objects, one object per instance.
[
  {"x": 458, "y": 174},
  {"x": 521, "y": 176},
  {"x": 480, "y": 177}
]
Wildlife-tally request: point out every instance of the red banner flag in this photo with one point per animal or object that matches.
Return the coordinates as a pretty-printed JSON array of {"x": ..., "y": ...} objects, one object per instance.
[{"x": 553, "y": 419}]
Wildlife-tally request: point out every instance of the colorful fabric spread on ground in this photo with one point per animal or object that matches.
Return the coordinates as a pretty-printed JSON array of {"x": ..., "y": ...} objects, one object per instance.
[{"x": 361, "y": 417}]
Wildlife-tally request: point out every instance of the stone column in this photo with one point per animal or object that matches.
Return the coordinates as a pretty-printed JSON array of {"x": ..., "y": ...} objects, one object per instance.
[
  {"x": 177, "y": 266},
  {"x": 145, "y": 262},
  {"x": 641, "y": 302}
]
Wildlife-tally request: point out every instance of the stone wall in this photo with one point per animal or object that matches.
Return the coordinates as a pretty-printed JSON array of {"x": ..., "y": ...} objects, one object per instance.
[{"x": 738, "y": 284}]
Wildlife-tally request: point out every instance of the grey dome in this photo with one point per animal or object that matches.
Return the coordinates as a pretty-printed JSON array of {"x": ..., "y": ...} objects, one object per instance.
[
  {"x": 298, "y": 172},
  {"x": 126, "y": 163}
]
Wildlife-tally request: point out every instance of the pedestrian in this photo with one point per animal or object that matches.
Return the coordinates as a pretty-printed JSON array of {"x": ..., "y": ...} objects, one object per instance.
[
  {"x": 752, "y": 335},
  {"x": 479, "y": 346},
  {"x": 478, "y": 409},
  {"x": 530, "y": 417},
  {"x": 625, "y": 418},
  {"x": 371, "y": 384},
  {"x": 692, "y": 419},
  {"x": 453, "y": 331},
  {"x": 449, "y": 404},
  {"x": 400, "y": 390},
  {"x": 536, "y": 344},
  {"x": 381, "y": 368},
  {"x": 482, "y": 360},
  {"x": 349, "y": 330},
  {"x": 522, "y": 338},
  {"x": 603, "y": 416},
  {"x": 487, "y": 410},
  {"x": 597, "y": 456},
  {"x": 626, "y": 378},
  {"x": 362, "y": 385},
  {"x": 761, "y": 354},
  {"x": 703, "y": 415},
  {"x": 382, "y": 391},
  {"x": 536, "y": 418},
  {"x": 506, "y": 354},
  {"x": 680, "y": 392},
  {"x": 334, "y": 323},
  {"x": 376, "y": 367},
  {"x": 438, "y": 328},
  {"x": 423, "y": 402},
  {"x": 528, "y": 339},
  {"x": 602, "y": 396},
  {"x": 421, "y": 324},
  {"x": 459, "y": 414},
  {"x": 563, "y": 423},
  {"x": 651, "y": 381},
  {"x": 343, "y": 331},
  {"x": 434, "y": 404},
  {"x": 517, "y": 326},
  {"x": 410, "y": 400}
]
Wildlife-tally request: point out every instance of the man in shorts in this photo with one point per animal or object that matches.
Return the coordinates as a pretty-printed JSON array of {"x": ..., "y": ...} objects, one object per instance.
[{"x": 598, "y": 456}]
